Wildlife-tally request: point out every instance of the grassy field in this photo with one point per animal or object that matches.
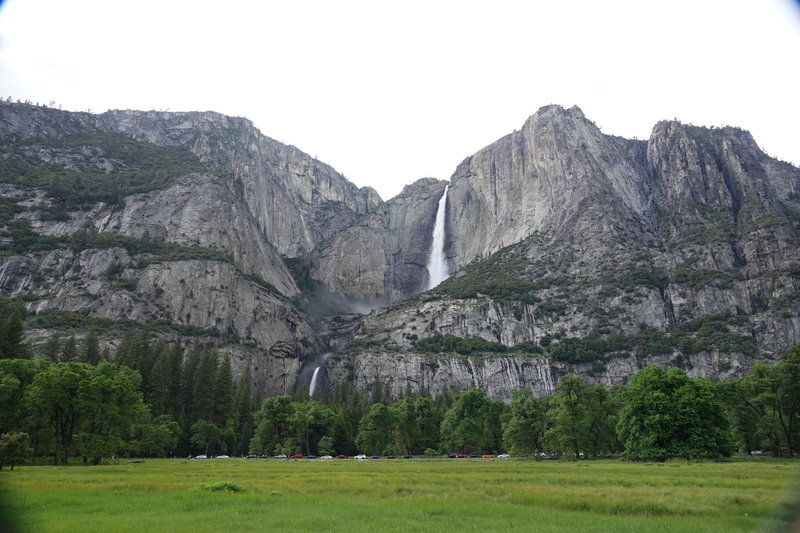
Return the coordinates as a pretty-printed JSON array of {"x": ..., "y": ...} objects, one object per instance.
[{"x": 396, "y": 495}]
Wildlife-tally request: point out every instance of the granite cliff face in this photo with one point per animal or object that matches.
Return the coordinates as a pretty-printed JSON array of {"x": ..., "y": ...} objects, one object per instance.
[
  {"x": 552, "y": 176},
  {"x": 382, "y": 256},
  {"x": 195, "y": 258},
  {"x": 584, "y": 244},
  {"x": 297, "y": 200},
  {"x": 572, "y": 250},
  {"x": 499, "y": 376}
]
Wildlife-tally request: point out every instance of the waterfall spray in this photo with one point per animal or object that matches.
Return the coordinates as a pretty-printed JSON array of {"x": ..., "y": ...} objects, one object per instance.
[
  {"x": 437, "y": 262},
  {"x": 312, "y": 386}
]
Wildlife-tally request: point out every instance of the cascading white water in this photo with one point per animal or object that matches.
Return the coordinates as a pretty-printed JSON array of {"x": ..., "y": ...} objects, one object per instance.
[
  {"x": 313, "y": 385},
  {"x": 437, "y": 262}
]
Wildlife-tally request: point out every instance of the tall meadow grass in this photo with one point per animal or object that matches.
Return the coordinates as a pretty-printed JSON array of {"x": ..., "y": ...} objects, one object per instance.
[{"x": 395, "y": 495}]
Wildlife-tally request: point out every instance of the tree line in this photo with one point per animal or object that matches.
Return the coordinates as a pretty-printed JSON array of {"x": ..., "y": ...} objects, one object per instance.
[{"x": 151, "y": 398}]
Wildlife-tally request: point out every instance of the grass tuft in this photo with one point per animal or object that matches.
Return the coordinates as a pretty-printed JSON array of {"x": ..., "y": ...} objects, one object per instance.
[{"x": 217, "y": 486}]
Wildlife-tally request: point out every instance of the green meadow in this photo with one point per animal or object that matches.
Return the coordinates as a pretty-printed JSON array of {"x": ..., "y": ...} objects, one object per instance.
[{"x": 397, "y": 495}]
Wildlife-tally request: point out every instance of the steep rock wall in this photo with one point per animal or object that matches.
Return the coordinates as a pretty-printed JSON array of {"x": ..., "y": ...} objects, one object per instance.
[
  {"x": 382, "y": 257},
  {"x": 297, "y": 200},
  {"x": 499, "y": 376}
]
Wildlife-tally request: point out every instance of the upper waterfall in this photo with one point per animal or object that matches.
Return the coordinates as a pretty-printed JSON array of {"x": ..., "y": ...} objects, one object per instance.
[{"x": 438, "y": 270}]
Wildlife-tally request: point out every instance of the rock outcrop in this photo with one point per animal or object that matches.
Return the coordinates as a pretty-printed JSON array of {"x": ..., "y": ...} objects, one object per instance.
[
  {"x": 498, "y": 376},
  {"x": 382, "y": 257},
  {"x": 553, "y": 176},
  {"x": 572, "y": 250},
  {"x": 297, "y": 200},
  {"x": 189, "y": 259},
  {"x": 562, "y": 232}
]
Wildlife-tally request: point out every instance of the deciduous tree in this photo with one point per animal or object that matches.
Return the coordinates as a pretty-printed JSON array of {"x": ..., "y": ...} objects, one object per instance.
[
  {"x": 205, "y": 436},
  {"x": 472, "y": 424},
  {"x": 376, "y": 431},
  {"x": 568, "y": 430},
  {"x": 15, "y": 448},
  {"x": 667, "y": 414},
  {"x": 109, "y": 402},
  {"x": 273, "y": 425},
  {"x": 524, "y": 431},
  {"x": 54, "y": 395}
]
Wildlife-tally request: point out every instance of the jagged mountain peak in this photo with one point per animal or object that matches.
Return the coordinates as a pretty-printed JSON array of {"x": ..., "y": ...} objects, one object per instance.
[
  {"x": 673, "y": 130},
  {"x": 422, "y": 186},
  {"x": 587, "y": 245},
  {"x": 557, "y": 233},
  {"x": 556, "y": 115}
]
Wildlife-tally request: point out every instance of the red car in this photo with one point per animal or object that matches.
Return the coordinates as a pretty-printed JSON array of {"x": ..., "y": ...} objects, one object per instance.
[
  {"x": 461, "y": 456},
  {"x": 341, "y": 457},
  {"x": 298, "y": 456}
]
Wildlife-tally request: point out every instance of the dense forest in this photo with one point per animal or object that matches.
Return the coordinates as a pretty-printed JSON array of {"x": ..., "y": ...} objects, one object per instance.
[{"x": 155, "y": 399}]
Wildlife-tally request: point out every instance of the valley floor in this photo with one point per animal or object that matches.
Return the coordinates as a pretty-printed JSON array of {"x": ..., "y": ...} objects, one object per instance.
[{"x": 399, "y": 495}]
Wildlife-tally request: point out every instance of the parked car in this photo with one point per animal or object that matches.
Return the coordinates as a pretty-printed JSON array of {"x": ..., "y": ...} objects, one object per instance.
[
  {"x": 252, "y": 456},
  {"x": 461, "y": 456},
  {"x": 503, "y": 456},
  {"x": 222, "y": 457},
  {"x": 391, "y": 457},
  {"x": 375, "y": 457},
  {"x": 311, "y": 456},
  {"x": 408, "y": 457},
  {"x": 341, "y": 457},
  {"x": 452, "y": 456},
  {"x": 201, "y": 457},
  {"x": 360, "y": 457},
  {"x": 281, "y": 456},
  {"x": 488, "y": 456},
  {"x": 297, "y": 456},
  {"x": 326, "y": 457}
]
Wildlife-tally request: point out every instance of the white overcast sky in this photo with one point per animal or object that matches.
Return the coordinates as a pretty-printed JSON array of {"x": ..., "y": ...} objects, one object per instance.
[{"x": 388, "y": 92}]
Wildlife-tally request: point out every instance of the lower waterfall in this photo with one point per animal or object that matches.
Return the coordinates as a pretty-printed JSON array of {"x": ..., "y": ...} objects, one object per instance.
[{"x": 313, "y": 385}]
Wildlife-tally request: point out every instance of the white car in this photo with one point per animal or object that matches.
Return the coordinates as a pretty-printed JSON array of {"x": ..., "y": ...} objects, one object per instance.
[
  {"x": 222, "y": 457},
  {"x": 201, "y": 457},
  {"x": 326, "y": 457},
  {"x": 360, "y": 457},
  {"x": 503, "y": 456}
]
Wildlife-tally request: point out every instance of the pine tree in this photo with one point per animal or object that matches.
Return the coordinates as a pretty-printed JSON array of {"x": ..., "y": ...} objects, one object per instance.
[
  {"x": 203, "y": 386},
  {"x": 159, "y": 385},
  {"x": 244, "y": 412},
  {"x": 136, "y": 352},
  {"x": 52, "y": 348},
  {"x": 12, "y": 345},
  {"x": 175, "y": 372},
  {"x": 165, "y": 387},
  {"x": 188, "y": 372},
  {"x": 70, "y": 351},
  {"x": 223, "y": 393},
  {"x": 91, "y": 348},
  {"x": 155, "y": 352}
]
